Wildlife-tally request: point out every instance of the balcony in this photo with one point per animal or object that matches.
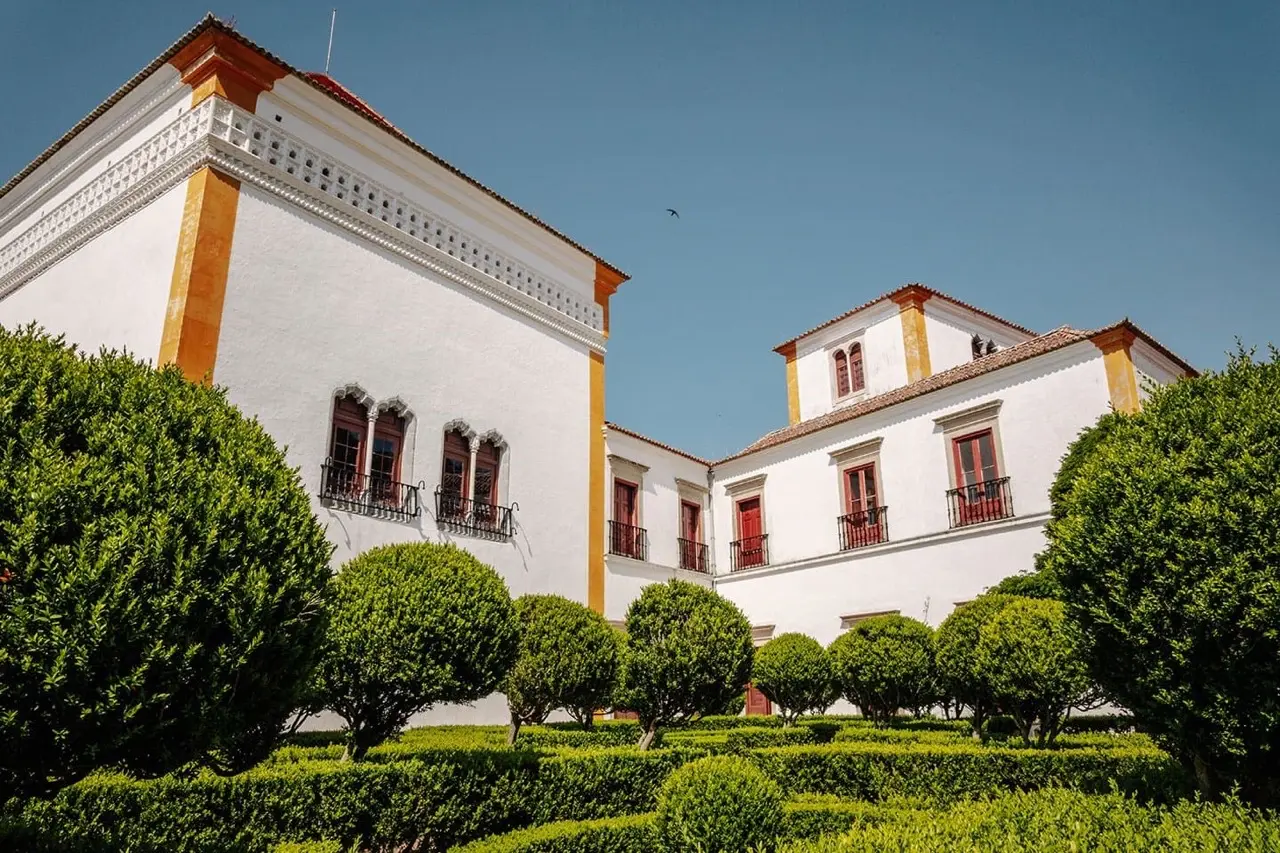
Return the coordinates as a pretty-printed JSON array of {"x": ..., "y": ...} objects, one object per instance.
[
  {"x": 627, "y": 540},
  {"x": 693, "y": 555},
  {"x": 748, "y": 553},
  {"x": 980, "y": 502},
  {"x": 475, "y": 518},
  {"x": 860, "y": 529},
  {"x": 342, "y": 488}
]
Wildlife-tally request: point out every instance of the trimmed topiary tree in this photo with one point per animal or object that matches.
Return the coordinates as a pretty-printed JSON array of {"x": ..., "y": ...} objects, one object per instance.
[
  {"x": 568, "y": 658},
  {"x": 413, "y": 626},
  {"x": 1029, "y": 658},
  {"x": 956, "y": 644},
  {"x": 794, "y": 672},
  {"x": 885, "y": 664},
  {"x": 688, "y": 652},
  {"x": 162, "y": 577},
  {"x": 719, "y": 804},
  {"x": 1167, "y": 547}
]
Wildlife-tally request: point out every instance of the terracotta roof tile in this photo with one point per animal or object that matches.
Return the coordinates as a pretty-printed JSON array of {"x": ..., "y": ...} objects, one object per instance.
[
  {"x": 1037, "y": 346},
  {"x": 656, "y": 443},
  {"x": 935, "y": 293},
  {"x": 323, "y": 83}
]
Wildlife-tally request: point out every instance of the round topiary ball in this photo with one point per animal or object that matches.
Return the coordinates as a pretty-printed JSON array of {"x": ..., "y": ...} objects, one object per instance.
[{"x": 719, "y": 804}]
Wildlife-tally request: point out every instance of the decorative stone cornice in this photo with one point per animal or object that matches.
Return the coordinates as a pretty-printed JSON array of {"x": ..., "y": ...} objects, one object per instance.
[
  {"x": 967, "y": 417},
  {"x": 218, "y": 134},
  {"x": 355, "y": 392},
  {"x": 746, "y": 484}
]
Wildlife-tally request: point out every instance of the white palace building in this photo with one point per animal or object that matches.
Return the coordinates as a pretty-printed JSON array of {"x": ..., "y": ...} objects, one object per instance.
[{"x": 433, "y": 358}]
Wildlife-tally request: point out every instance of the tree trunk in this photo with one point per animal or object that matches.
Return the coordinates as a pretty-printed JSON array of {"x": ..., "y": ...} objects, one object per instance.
[
  {"x": 646, "y": 739},
  {"x": 513, "y": 730},
  {"x": 1204, "y": 776}
]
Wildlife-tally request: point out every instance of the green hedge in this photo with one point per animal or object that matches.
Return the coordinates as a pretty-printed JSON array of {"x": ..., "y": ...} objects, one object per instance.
[
  {"x": 872, "y": 771},
  {"x": 310, "y": 847},
  {"x": 1057, "y": 821},
  {"x": 1103, "y": 723},
  {"x": 873, "y": 735},
  {"x": 741, "y": 740},
  {"x": 725, "y": 722}
]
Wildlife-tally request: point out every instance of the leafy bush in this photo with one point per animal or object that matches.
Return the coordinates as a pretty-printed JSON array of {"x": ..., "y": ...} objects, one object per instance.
[
  {"x": 886, "y": 664},
  {"x": 1059, "y": 821},
  {"x": 603, "y": 734},
  {"x": 957, "y": 657},
  {"x": 1030, "y": 658},
  {"x": 568, "y": 658},
  {"x": 719, "y": 723},
  {"x": 629, "y": 834},
  {"x": 688, "y": 651},
  {"x": 162, "y": 577},
  {"x": 1112, "y": 723},
  {"x": 1166, "y": 546},
  {"x": 718, "y": 805},
  {"x": 744, "y": 739},
  {"x": 794, "y": 672},
  {"x": 413, "y": 625},
  {"x": 309, "y": 847}
]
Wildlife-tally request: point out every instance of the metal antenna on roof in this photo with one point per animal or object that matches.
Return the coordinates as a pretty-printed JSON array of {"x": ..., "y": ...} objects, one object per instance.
[{"x": 333, "y": 19}]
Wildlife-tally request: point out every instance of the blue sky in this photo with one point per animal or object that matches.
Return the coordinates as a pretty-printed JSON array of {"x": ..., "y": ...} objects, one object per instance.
[{"x": 1067, "y": 166}]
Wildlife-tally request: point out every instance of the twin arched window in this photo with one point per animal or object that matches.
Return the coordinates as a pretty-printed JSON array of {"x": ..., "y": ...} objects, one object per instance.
[
  {"x": 460, "y": 479},
  {"x": 361, "y": 444},
  {"x": 849, "y": 374}
]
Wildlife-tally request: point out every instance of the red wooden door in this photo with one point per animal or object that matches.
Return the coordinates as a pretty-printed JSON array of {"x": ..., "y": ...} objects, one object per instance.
[
  {"x": 626, "y": 538},
  {"x": 691, "y": 536},
  {"x": 861, "y": 519},
  {"x": 750, "y": 533},
  {"x": 758, "y": 705},
  {"x": 976, "y": 475}
]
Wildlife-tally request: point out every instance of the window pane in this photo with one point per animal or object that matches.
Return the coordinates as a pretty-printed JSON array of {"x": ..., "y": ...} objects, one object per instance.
[
  {"x": 869, "y": 478},
  {"x": 455, "y": 472},
  {"x": 987, "y": 455},
  {"x": 346, "y": 448},
  {"x": 484, "y": 484},
  {"x": 842, "y": 374},
  {"x": 384, "y": 458},
  {"x": 967, "y": 473},
  {"x": 855, "y": 490}
]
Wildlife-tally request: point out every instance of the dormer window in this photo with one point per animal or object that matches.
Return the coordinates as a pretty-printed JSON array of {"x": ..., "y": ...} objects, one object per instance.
[{"x": 847, "y": 366}]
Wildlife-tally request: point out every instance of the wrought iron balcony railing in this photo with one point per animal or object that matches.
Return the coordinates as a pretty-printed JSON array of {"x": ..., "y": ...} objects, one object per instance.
[
  {"x": 475, "y": 518},
  {"x": 693, "y": 555},
  {"x": 749, "y": 552},
  {"x": 343, "y": 488},
  {"x": 863, "y": 528},
  {"x": 979, "y": 502},
  {"x": 627, "y": 540}
]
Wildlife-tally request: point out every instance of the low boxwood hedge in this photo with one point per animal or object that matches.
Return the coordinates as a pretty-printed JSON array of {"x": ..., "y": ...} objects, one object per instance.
[{"x": 744, "y": 739}]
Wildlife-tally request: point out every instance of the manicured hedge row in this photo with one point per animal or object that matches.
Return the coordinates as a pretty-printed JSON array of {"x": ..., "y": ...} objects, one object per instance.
[
  {"x": 309, "y": 847},
  {"x": 1058, "y": 820},
  {"x": 1104, "y": 723},
  {"x": 871, "y": 771},
  {"x": 741, "y": 740},
  {"x": 862, "y": 734},
  {"x": 713, "y": 723}
]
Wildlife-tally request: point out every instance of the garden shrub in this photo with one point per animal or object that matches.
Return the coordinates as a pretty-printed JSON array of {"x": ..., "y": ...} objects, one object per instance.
[
  {"x": 720, "y": 722},
  {"x": 1106, "y": 723},
  {"x": 413, "y": 625},
  {"x": 162, "y": 577},
  {"x": 897, "y": 735},
  {"x": 744, "y": 739},
  {"x": 687, "y": 652},
  {"x": 603, "y": 734},
  {"x": 794, "y": 672},
  {"x": 567, "y": 658},
  {"x": 1057, "y": 821},
  {"x": 627, "y": 834},
  {"x": 957, "y": 657},
  {"x": 886, "y": 664},
  {"x": 719, "y": 804},
  {"x": 1166, "y": 545},
  {"x": 311, "y": 847}
]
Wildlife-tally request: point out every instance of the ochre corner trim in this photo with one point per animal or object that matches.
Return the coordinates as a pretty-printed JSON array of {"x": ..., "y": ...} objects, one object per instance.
[
  {"x": 595, "y": 501},
  {"x": 1122, "y": 379},
  {"x": 915, "y": 339},
  {"x": 198, "y": 288},
  {"x": 607, "y": 283},
  {"x": 214, "y": 63},
  {"x": 788, "y": 351}
]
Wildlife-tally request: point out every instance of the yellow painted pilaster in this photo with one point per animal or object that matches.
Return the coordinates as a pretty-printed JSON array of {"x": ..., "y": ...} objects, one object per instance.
[
  {"x": 1122, "y": 379},
  {"x": 793, "y": 384},
  {"x": 595, "y": 513},
  {"x": 915, "y": 338}
]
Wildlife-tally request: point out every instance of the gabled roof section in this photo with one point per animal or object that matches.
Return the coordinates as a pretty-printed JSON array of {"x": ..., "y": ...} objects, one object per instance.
[
  {"x": 321, "y": 82},
  {"x": 782, "y": 347},
  {"x": 677, "y": 451},
  {"x": 1037, "y": 346}
]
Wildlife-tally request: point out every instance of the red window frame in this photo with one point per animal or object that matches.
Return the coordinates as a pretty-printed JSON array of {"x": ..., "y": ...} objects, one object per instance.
[
  {"x": 389, "y": 428},
  {"x": 489, "y": 461},
  {"x": 842, "y": 374},
  {"x": 691, "y": 529},
  {"x": 353, "y": 417},
  {"x": 458, "y": 451},
  {"x": 758, "y": 704},
  {"x": 630, "y": 513},
  {"x": 976, "y": 502},
  {"x": 750, "y": 553},
  {"x": 857, "y": 381},
  {"x": 861, "y": 499}
]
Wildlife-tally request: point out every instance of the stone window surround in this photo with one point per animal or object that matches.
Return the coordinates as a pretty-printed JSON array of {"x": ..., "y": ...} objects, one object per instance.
[
  {"x": 830, "y": 352},
  {"x": 373, "y": 410},
  {"x": 474, "y": 440},
  {"x": 847, "y": 622},
  {"x": 631, "y": 472},
  {"x": 745, "y": 489},
  {"x": 858, "y": 455},
  {"x": 969, "y": 421},
  {"x": 690, "y": 492},
  {"x": 761, "y": 634}
]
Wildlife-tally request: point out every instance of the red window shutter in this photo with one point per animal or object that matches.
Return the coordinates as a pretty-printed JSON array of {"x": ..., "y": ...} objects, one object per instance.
[
  {"x": 348, "y": 436},
  {"x": 624, "y": 502},
  {"x": 842, "y": 373},
  {"x": 749, "y": 518},
  {"x": 858, "y": 382},
  {"x": 689, "y": 521}
]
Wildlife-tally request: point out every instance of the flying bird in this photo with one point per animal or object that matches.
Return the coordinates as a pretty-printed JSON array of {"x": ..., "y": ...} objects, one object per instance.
[{"x": 673, "y": 212}]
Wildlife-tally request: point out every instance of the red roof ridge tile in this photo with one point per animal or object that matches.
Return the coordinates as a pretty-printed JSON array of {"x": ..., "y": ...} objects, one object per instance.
[{"x": 932, "y": 292}]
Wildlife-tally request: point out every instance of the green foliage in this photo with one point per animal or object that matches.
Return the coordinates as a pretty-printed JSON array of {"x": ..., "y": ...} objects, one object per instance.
[
  {"x": 309, "y": 847},
  {"x": 879, "y": 771},
  {"x": 719, "y": 804},
  {"x": 732, "y": 707},
  {"x": 1057, "y": 821},
  {"x": 568, "y": 658},
  {"x": 413, "y": 625},
  {"x": 1030, "y": 658},
  {"x": 794, "y": 671},
  {"x": 688, "y": 651},
  {"x": 1167, "y": 547},
  {"x": 603, "y": 734},
  {"x": 744, "y": 739},
  {"x": 629, "y": 834},
  {"x": 886, "y": 664},
  {"x": 957, "y": 656},
  {"x": 1036, "y": 584},
  {"x": 163, "y": 576}
]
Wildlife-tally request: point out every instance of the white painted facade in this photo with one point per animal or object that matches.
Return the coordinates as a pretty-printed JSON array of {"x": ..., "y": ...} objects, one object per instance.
[{"x": 362, "y": 267}]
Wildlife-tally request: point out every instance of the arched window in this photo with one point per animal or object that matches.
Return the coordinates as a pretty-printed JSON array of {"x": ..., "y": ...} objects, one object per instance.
[
  {"x": 346, "y": 446},
  {"x": 488, "y": 459},
  {"x": 857, "y": 380},
  {"x": 388, "y": 445},
  {"x": 454, "y": 483},
  {"x": 842, "y": 374}
]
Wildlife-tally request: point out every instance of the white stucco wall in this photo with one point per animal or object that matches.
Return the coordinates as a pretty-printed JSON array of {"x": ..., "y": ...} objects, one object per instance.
[
  {"x": 1044, "y": 405},
  {"x": 884, "y": 363},
  {"x": 112, "y": 291},
  {"x": 950, "y": 329}
]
